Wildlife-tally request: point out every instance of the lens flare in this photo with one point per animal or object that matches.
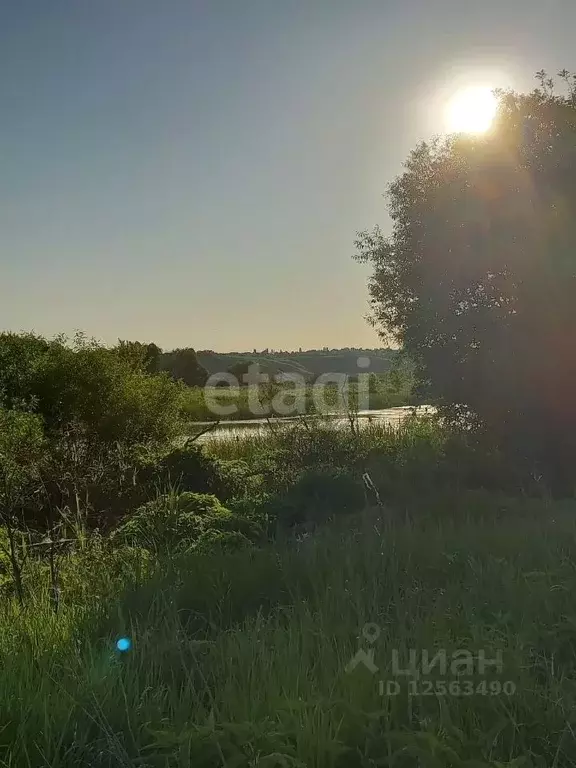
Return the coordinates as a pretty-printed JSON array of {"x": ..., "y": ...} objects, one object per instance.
[
  {"x": 471, "y": 110},
  {"x": 124, "y": 644}
]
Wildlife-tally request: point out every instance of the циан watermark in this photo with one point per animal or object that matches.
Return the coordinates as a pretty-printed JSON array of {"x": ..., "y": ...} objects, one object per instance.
[
  {"x": 370, "y": 633},
  {"x": 423, "y": 672}
]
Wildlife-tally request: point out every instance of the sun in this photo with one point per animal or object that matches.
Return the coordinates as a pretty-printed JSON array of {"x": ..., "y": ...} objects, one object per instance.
[{"x": 471, "y": 110}]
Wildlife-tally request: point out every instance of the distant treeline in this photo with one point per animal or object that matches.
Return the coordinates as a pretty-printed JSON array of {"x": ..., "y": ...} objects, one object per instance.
[{"x": 194, "y": 367}]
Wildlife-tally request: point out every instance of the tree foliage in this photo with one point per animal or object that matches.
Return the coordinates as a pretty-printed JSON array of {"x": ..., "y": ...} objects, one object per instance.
[
  {"x": 183, "y": 365},
  {"x": 96, "y": 410},
  {"x": 239, "y": 369},
  {"x": 22, "y": 452},
  {"x": 86, "y": 388},
  {"x": 477, "y": 280},
  {"x": 144, "y": 357}
]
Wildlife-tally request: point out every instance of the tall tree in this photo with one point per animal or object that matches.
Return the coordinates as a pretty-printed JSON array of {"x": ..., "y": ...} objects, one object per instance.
[
  {"x": 477, "y": 280},
  {"x": 143, "y": 357},
  {"x": 183, "y": 365},
  {"x": 239, "y": 369}
]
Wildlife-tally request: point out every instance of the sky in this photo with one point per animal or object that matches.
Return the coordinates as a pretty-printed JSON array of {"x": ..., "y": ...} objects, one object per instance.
[{"x": 194, "y": 173}]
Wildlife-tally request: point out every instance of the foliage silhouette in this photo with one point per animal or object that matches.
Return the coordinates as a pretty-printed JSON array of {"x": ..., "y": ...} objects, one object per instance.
[{"x": 477, "y": 280}]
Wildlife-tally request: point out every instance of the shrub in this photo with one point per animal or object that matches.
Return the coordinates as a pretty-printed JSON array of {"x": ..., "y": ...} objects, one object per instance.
[
  {"x": 190, "y": 468},
  {"x": 317, "y": 496},
  {"x": 176, "y": 523},
  {"x": 213, "y": 540},
  {"x": 236, "y": 479},
  {"x": 85, "y": 389},
  {"x": 97, "y": 411}
]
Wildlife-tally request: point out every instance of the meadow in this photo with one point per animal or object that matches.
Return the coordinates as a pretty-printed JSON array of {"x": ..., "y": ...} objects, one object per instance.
[
  {"x": 240, "y": 658},
  {"x": 166, "y": 603}
]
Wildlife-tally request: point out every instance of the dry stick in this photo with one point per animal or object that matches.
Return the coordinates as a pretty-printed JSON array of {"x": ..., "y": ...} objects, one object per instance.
[
  {"x": 53, "y": 532},
  {"x": 369, "y": 484},
  {"x": 369, "y": 487},
  {"x": 54, "y": 545},
  {"x": 350, "y": 412},
  {"x": 305, "y": 424},
  {"x": 209, "y": 428},
  {"x": 15, "y": 565},
  {"x": 54, "y": 581},
  {"x": 271, "y": 428}
]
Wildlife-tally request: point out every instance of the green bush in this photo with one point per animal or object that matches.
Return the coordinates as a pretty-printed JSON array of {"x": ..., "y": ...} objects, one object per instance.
[
  {"x": 178, "y": 522},
  {"x": 190, "y": 468},
  {"x": 215, "y": 541},
  {"x": 317, "y": 496},
  {"x": 82, "y": 388},
  {"x": 237, "y": 480},
  {"x": 97, "y": 412}
]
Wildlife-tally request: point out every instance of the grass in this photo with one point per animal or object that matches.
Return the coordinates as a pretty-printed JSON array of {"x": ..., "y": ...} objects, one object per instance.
[
  {"x": 196, "y": 401},
  {"x": 240, "y": 659},
  {"x": 371, "y": 437}
]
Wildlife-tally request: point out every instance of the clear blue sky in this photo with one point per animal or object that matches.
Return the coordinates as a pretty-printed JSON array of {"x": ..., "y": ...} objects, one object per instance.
[{"x": 194, "y": 173}]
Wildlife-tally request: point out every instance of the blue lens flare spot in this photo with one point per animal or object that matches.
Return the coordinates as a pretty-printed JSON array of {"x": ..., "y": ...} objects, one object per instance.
[{"x": 124, "y": 644}]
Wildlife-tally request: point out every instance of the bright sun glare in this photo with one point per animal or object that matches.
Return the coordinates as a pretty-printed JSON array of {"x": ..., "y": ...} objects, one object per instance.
[{"x": 471, "y": 110}]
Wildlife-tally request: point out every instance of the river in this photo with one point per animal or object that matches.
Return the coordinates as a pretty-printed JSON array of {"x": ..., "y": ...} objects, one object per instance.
[{"x": 386, "y": 416}]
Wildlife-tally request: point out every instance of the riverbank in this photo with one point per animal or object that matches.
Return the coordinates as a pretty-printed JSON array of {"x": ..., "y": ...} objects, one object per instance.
[
  {"x": 243, "y": 403},
  {"x": 213, "y": 430}
]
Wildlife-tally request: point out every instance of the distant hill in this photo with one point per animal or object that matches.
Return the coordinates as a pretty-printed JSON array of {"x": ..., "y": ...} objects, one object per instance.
[{"x": 309, "y": 363}]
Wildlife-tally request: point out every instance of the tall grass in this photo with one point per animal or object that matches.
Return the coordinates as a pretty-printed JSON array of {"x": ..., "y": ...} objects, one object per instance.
[
  {"x": 413, "y": 458},
  {"x": 240, "y": 660},
  {"x": 195, "y": 401},
  {"x": 371, "y": 436}
]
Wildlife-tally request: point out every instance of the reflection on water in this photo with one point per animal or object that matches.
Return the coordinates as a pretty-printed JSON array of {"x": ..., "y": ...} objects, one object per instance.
[{"x": 245, "y": 427}]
